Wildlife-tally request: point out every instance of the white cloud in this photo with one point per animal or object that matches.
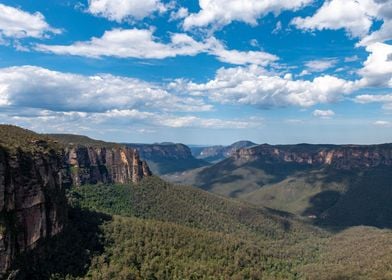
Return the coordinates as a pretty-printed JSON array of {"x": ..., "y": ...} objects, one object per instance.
[
  {"x": 140, "y": 43},
  {"x": 323, "y": 114},
  {"x": 217, "y": 13},
  {"x": 320, "y": 65},
  {"x": 385, "y": 99},
  {"x": 255, "y": 86},
  {"x": 130, "y": 43},
  {"x": 120, "y": 10},
  {"x": 355, "y": 16},
  {"x": 377, "y": 69},
  {"x": 351, "y": 58},
  {"x": 179, "y": 14},
  {"x": 35, "y": 87},
  {"x": 33, "y": 96},
  {"x": 385, "y": 32},
  {"x": 243, "y": 57},
  {"x": 383, "y": 123},
  {"x": 15, "y": 23},
  {"x": 277, "y": 28}
]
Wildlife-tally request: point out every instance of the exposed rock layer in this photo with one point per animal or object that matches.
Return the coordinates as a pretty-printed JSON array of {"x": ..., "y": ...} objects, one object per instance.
[
  {"x": 34, "y": 172},
  {"x": 91, "y": 165},
  {"x": 340, "y": 157},
  {"x": 32, "y": 201}
]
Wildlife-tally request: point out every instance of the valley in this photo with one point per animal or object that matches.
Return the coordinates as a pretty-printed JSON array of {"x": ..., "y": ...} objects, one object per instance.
[{"x": 258, "y": 214}]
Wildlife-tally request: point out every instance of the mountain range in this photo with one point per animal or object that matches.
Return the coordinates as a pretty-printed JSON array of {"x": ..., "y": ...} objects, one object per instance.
[{"x": 76, "y": 208}]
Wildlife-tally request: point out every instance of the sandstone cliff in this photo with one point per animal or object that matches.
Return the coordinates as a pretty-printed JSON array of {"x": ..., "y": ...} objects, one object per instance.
[
  {"x": 93, "y": 161},
  {"x": 91, "y": 165},
  {"x": 34, "y": 172},
  {"x": 32, "y": 198},
  {"x": 165, "y": 158},
  {"x": 340, "y": 157}
]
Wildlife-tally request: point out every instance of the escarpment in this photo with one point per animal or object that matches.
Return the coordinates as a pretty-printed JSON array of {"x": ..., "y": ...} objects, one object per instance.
[
  {"x": 343, "y": 157},
  {"x": 35, "y": 170},
  {"x": 91, "y": 165},
  {"x": 32, "y": 196}
]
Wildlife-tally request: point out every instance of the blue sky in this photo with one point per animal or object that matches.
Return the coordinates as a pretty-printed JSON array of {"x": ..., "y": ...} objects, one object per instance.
[{"x": 199, "y": 72}]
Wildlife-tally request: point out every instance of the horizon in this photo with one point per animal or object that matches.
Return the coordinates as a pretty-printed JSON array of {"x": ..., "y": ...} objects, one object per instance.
[{"x": 183, "y": 71}]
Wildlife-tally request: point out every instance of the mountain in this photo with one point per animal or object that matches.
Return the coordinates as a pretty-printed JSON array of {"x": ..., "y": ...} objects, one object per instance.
[
  {"x": 36, "y": 169},
  {"x": 155, "y": 230},
  {"x": 333, "y": 185},
  {"x": 165, "y": 158},
  {"x": 55, "y": 228},
  {"x": 93, "y": 161},
  {"x": 214, "y": 154},
  {"x": 32, "y": 196}
]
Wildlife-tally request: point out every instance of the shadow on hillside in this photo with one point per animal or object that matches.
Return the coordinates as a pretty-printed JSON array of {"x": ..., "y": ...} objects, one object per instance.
[
  {"x": 220, "y": 173},
  {"x": 68, "y": 253},
  {"x": 366, "y": 201}
]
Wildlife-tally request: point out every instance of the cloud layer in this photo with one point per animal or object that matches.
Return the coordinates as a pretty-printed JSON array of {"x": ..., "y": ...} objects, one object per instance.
[{"x": 16, "y": 23}]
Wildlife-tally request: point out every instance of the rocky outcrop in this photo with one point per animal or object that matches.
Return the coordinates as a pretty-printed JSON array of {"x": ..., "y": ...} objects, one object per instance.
[
  {"x": 165, "y": 158},
  {"x": 162, "y": 151},
  {"x": 32, "y": 200},
  {"x": 218, "y": 153},
  {"x": 339, "y": 157},
  {"x": 91, "y": 165}
]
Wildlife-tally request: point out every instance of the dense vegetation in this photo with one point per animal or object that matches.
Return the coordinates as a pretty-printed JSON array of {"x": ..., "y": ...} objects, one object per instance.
[
  {"x": 13, "y": 139},
  {"x": 332, "y": 197},
  {"x": 74, "y": 139},
  {"x": 155, "y": 230}
]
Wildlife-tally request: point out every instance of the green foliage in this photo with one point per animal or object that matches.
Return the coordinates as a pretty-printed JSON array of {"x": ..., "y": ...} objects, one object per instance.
[
  {"x": 177, "y": 232},
  {"x": 14, "y": 139},
  {"x": 81, "y": 140}
]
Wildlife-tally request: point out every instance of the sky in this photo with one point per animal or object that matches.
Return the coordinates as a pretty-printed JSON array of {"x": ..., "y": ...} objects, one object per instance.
[{"x": 199, "y": 71}]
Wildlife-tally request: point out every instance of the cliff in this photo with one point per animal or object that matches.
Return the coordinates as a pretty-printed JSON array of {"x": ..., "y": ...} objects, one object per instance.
[
  {"x": 343, "y": 157},
  {"x": 93, "y": 161},
  {"x": 91, "y": 165},
  {"x": 217, "y": 153},
  {"x": 32, "y": 198},
  {"x": 165, "y": 158},
  {"x": 34, "y": 172}
]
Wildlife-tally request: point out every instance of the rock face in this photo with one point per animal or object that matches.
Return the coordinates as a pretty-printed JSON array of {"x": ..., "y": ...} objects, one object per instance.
[
  {"x": 91, "y": 165},
  {"x": 162, "y": 151},
  {"x": 32, "y": 200},
  {"x": 218, "y": 153},
  {"x": 167, "y": 158},
  {"x": 343, "y": 157},
  {"x": 34, "y": 172}
]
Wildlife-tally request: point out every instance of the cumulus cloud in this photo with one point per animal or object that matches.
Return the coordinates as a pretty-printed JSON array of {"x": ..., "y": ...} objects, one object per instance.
[
  {"x": 120, "y": 10},
  {"x": 130, "y": 43},
  {"x": 385, "y": 99},
  {"x": 35, "y": 87},
  {"x": 217, "y": 13},
  {"x": 16, "y": 23},
  {"x": 141, "y": 43},
  {"x": 323, "y": 114},
  {"x": 255, "y": 86},
  {"x": 32, "y": 95},
  {"x": 243, "y": 57},
  {"x": 320, "y": 65},
  {"x": 377, "y": 69},
  {"x": 383, "y": 123},
  {"x": 355, "y": 16}
]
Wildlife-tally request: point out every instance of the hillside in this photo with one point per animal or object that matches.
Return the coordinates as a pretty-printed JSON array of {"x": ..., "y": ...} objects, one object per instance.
[
  {"x": 165, "y": 158},
  {"x": 334, "y": 185},
  {"x": 75, "y": 140},
  {"x": 215, "y": 154},
  {"x": 159, "y": 231}
]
